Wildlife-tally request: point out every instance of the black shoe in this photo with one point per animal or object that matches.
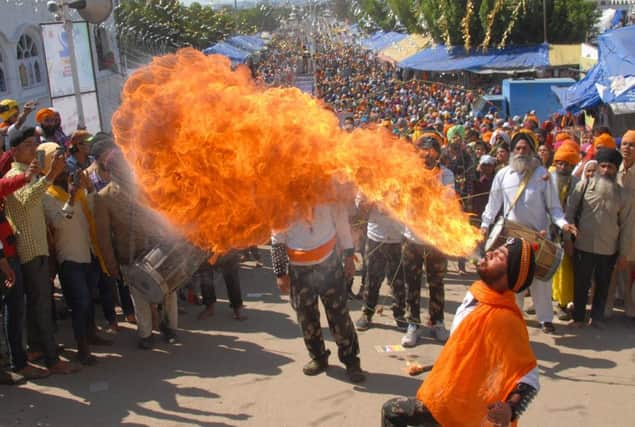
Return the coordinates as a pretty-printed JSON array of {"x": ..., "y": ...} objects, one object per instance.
[
  {"x": 531, "y": 310},
  {"x": 317, "y": 366},
  {"x": 11, "y": 378},
  {"x": 354, "y": 372},
  {"x": 169, "y": 334},
  {"x": 563, "y": 314},
  {"x": 548, "y": 328},
  {"x": 402, "y": 324},
  {"x": 86, "y": 359},
  {"x": 146, "y": 343},
  {"x": 363, "y": 323}
]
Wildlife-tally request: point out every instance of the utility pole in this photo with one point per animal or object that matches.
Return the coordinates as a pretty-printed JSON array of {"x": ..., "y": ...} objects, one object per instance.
[{"x": 544, "y": 19}]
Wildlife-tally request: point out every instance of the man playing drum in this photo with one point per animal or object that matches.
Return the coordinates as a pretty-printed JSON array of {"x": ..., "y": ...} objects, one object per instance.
[{"x": 530, "y": 200}]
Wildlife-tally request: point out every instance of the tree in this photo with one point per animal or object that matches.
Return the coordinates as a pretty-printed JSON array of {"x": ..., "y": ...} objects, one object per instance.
[{"x": 487, "y": 22}]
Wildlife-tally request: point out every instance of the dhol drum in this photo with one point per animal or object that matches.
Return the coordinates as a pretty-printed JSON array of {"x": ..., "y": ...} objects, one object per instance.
[
  {"x": 548, "y": 256},
  {"x": 164, "y": 269}
]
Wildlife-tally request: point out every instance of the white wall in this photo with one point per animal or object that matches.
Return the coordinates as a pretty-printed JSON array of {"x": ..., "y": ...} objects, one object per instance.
[{"x": 16, "y": 20}]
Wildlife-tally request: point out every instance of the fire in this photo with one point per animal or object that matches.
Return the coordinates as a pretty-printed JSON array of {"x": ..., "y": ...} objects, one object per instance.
[{"x": 227, "y": 161}]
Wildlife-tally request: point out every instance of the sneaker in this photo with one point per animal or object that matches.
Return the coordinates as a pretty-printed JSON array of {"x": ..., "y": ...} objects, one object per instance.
[
  {"x": 169, "y": 334},
  {"x": 317, "y": 366},
  {"x": 547, "y": 327},
  {"x": 363, "y": 323},
  {"x": 354, "y": 372},
  {"x": 411, "y": 337},
  {"x": 146, "y": 343},
  {"x": 439, "y": 332}
]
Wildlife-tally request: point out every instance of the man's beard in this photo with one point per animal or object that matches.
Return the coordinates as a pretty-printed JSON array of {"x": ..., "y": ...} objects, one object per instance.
[
  {"x": 49, "y": 131},
  {"x": 562, "y": 180},
  {"x": 605, "y": 186},
  {"x": 487, "y": 276},
  {"x": 519, "y": 163}
]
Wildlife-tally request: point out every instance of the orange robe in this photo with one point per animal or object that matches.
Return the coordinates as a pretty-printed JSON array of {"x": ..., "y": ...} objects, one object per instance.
[{"x": 482, "y": 362}]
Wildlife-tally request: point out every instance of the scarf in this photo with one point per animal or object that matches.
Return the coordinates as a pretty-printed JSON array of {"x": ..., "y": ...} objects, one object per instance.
[
  {"x": 481, "y": 363},
  {"x": 80, "y": 196}
]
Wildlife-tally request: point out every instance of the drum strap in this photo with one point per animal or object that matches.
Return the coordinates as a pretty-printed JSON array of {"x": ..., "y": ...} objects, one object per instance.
[{"x": 521, "y": 189}]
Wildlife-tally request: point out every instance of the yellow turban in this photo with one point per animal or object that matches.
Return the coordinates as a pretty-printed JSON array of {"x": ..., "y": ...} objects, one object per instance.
[{"x": 604, "y": 140}]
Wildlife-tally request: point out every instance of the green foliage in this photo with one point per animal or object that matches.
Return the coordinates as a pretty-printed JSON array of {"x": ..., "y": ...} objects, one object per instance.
[
  {"x": 568, "y": 21},
  {"x": 172, "y": 25}
]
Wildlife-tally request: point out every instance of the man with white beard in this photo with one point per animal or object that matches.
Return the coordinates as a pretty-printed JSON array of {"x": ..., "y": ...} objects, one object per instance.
[
  {"x": 605, "y": 222},
  {"x": 528, "y": 199}
]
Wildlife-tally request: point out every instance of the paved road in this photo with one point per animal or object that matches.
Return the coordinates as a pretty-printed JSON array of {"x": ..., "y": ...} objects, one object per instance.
[{"x": 235, "y": 373}]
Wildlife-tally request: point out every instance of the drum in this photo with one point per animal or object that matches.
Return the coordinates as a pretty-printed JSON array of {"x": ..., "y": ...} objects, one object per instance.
[
  {"x": 164, "y": 269},
  {"x": 548, "y": 256}
]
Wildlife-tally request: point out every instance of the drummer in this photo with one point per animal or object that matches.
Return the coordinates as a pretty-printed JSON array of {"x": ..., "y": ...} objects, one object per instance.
[{"x": 531, "y": 201}]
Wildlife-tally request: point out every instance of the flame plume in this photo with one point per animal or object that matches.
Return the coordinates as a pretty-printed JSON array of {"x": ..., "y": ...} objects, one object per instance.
[{"x": 227, "y": 161}]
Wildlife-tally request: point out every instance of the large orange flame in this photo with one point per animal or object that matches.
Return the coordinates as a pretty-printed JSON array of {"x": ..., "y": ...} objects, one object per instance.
[{"x": 227, "y": 161}]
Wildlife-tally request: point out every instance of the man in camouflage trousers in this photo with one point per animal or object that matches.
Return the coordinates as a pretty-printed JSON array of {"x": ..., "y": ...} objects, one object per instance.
[
  {"x": 416, "y": 254},
  {"x": 306, "y": 262}
]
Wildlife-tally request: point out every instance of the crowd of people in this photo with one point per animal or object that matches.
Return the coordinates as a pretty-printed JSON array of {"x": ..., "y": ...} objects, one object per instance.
[{"x": 70, "y": 216}]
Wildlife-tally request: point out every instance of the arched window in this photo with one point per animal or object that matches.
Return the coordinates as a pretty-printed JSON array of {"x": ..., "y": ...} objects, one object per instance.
[
  {"x": 3, "y": 75},
  {"x": 29, "y": 68}
]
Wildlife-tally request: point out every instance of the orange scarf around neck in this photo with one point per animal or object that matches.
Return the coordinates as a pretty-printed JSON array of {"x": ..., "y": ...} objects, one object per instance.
[{"x": 481, "y": 363}]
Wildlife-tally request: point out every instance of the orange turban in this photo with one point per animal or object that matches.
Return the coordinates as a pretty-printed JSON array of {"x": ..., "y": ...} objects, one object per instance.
[
  {"x": 43, "y": 114},
  {"x": 604, "y": 140},
  {"x": 487, "y": 136},
  {"x": 568, "y": 152},
  {"x": 562, "y": 136}
]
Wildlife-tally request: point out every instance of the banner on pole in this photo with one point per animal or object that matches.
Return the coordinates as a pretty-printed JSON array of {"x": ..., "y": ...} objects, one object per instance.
[
  {"x": 58, "y": 59},
  {"x": 68, "y": 111}
]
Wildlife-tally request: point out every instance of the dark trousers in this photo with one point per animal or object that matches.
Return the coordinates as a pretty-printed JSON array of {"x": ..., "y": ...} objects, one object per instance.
[
  {"x": 326, "y": 282},
  {"x": 384, "y": 261},
  {"x": 415, "y": 257},
  {"x": 404, "y": 412},
  {"x": 587, "y": 265},
  {"x": 124, "y": 298},
  {"x": 39, "y": 298},
  {"x": 107, "y": 294},
  {"x": 78, "y": 281},
  {"x": 14, "y": 316},
  {"x": 229, "y": 266}
]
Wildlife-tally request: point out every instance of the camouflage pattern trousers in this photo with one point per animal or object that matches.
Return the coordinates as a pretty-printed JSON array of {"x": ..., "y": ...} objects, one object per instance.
[
  {"x": 383, "y": 261},
  {"x": 324, "y": 281},
  {"x": 414, "y": 258},
  {"x": 406, "y": 411}
]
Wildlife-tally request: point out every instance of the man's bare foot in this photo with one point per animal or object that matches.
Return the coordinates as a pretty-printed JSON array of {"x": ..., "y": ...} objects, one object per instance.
[{"x": 208, "y": 312}]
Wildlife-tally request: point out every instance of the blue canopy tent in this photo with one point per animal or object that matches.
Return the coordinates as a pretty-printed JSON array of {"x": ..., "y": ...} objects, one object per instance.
[
  {"x": 386, "y": 40},
  {"x": 235, "y": 54},
  {"x": 456, "y": 58},
  {"x": 367, "y": 41},
  {"x": 612, "y": 80}
]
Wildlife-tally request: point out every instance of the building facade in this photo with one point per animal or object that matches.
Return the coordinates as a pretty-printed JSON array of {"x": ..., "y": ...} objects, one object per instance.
[{"x": 23, "y": 73}]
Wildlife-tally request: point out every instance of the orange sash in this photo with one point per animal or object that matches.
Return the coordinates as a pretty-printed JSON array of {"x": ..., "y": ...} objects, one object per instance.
[
  {"x": 312, "y": 255},
  {"x": 481, "y": 363}
]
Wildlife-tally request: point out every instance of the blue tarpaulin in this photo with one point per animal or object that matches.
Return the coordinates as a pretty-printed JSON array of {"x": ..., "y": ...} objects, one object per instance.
[
  {"x": 248, "y": 43},
  {"x": 441, "y": 59},
  {"x": 612, "y": 80},
  {"x": 234, "y": 53},
  {"x": 381, "y": 40}
]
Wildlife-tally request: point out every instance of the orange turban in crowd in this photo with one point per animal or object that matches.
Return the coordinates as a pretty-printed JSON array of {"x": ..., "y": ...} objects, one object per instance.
[
  {"x": 487, "y": 136},
  {"x": 562, "y": 136},
  {"x": 568, "y": 152},
  {"x": 604, "y": 140},
  {"x": 44, "y": 114}
]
